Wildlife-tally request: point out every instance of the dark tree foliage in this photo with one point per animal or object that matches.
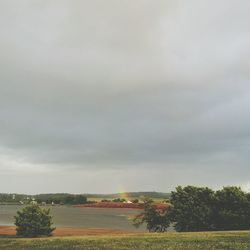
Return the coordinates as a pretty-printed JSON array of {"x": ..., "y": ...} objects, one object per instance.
[
  {"x": 232, "y": 210},
  {"x": 199, "y": 209},
  {"x": 61, "y": 198},
  {"x": 155, "y": 220},
  {"x": 80, "y": 199},
  {"x": 69, "y": 199},
  {"x": 192, "y": 209},
  {"x": 33, "y": 221},
  {"x": 202, "y": 209},
  {"x": 118, "y": 200}
]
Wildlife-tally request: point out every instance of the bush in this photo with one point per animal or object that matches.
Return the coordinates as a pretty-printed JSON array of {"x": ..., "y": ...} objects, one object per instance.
[{"x": 33, "y": 221}]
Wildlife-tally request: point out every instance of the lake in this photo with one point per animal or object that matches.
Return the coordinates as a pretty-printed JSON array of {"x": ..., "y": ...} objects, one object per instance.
[{"x": 67, "y": 216}]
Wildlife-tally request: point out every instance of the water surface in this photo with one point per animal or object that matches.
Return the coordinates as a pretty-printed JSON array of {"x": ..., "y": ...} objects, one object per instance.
[{"x": 67, "y": 216}]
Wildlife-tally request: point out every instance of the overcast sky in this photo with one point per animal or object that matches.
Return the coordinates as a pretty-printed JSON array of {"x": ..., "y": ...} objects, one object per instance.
[{"x": 107, "y": 96}]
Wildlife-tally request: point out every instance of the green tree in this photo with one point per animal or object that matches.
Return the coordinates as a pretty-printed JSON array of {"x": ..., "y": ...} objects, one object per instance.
[
  {"x": 199, "y": 209},
  {"x": 118, "y": 200},
  {"x": 33, "y": 221},
  {"x": 192, "y": 209},
  {"x": 156, "y": 220},
  {"x": 69, "y": 199},
  {"x": 80, "y": 199},
  {"x": 232, "y": 210}
]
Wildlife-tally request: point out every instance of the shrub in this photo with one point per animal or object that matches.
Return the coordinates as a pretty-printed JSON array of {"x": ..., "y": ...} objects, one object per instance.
[{"x": 33, "y": 221}]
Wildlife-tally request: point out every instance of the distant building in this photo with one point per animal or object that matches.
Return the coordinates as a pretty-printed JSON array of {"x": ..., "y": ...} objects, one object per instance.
[{"x": 128, "y": 201}]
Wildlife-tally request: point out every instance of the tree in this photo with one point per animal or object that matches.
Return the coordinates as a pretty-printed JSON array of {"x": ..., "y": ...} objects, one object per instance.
[
  {"x": 80, "y": 199},
  {"x": 202, "y": 209},
  {"x": 192, "y": 209},
  {"x": 33, "y": 221},
  {"x": 68, "y": 199},
  {"x": 232, "y": 210},
  {"x": 199, "y": 209},
  {"x": 156, "y": 220},
  {"x": 118, "y": 200}
]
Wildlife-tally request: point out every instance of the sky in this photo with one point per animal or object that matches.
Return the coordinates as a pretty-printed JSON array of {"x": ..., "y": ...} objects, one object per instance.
[{"x": 109, "y": 96}]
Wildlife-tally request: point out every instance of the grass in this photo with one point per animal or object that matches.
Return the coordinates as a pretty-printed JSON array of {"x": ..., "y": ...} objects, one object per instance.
[{"x": 231, "y": 240}]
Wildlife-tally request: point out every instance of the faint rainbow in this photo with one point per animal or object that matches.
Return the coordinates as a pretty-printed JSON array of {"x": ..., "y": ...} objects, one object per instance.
[{"x": 124, "y": 195}]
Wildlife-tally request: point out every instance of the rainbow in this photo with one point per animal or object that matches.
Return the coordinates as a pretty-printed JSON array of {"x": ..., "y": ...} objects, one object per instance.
[{"x": 124, "y": 195}]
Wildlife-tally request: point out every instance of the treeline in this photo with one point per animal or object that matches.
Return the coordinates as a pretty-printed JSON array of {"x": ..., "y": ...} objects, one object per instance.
[
  {"x": 11, "y": 197},
  {"x": 153, "y": 195},
  {"x": 72, "y": 198},
  {"x": 58, "y": 198},
  {"x": 131, "y": 195},
  {"x": 61, "y": 198},
  {"x": 199, "y": 209}
]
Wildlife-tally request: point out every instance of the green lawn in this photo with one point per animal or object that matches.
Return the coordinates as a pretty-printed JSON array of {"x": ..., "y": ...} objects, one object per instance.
[{"x": 183, "y": 241}]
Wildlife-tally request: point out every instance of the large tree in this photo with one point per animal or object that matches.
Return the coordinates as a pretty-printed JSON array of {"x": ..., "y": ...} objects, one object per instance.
[
  {"x": 33, "y": 221},
  {"x": 232, "y": 210},
  {"x": 200, "y": 209},
  {"x": 192, "y": 208}
]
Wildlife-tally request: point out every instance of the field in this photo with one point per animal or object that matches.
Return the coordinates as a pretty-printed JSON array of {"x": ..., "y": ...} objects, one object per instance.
[
  {"x": 235, "y": 240},
  {"x": 119, "y": 205}
]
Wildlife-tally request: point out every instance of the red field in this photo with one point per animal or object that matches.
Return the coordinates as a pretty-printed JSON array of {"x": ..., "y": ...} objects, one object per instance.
[
  {"x": 71, "y": 231},
  {"x": 120, "y": 205}
]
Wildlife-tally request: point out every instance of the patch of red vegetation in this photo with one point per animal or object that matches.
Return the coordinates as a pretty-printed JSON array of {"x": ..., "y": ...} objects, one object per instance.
[
  {"x": 161, "y": 206},
  {"x": 7, "y": 230},
  {"x": 112, "y": 205},
  {"x": 71, "y": 231},
  {"x": 121, "y": 205}
]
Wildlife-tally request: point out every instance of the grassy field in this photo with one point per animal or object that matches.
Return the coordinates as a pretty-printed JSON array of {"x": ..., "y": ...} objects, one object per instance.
[{"x": 176, "y": 241}]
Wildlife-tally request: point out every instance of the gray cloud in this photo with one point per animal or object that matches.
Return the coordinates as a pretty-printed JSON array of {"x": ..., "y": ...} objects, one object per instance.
[{"x": 127, "y": 89}]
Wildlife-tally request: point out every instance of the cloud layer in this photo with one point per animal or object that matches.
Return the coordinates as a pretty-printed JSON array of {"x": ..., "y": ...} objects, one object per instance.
[{"x": 150, "y": 93}]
